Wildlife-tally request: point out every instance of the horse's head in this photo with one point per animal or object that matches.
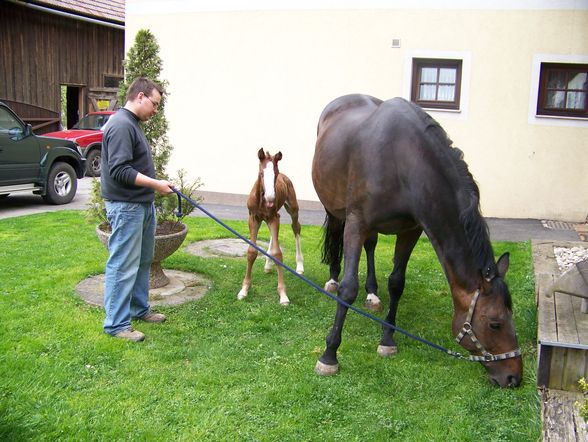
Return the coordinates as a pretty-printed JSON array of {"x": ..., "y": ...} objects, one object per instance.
[
  {"x": 486, "y": 328},
  {"x": 268, "y": 173}
]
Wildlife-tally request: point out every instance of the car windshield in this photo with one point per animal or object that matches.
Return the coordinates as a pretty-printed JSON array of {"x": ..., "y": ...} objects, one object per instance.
[{"x": 92, "y": 122}]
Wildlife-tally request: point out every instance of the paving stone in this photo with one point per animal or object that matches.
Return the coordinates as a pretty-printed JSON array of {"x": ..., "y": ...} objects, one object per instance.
[
  {"x": 183, "y": 287},
  {"x": 225, "y": 248}
]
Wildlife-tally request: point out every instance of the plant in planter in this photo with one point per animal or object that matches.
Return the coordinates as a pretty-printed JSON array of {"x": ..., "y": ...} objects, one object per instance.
[{"x": 143, "y": 61}]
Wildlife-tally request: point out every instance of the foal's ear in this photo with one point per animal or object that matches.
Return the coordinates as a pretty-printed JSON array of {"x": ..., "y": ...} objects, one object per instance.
[
  {"x": 278, "y": 156},
  {"x": 261, "y": 154},
  {"x": 502, "y": 264}
]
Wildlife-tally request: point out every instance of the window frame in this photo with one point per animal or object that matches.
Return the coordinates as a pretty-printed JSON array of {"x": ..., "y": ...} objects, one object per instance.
[
  {"x": 438, "y": 63},
  {"x": 544, "y": 70}
]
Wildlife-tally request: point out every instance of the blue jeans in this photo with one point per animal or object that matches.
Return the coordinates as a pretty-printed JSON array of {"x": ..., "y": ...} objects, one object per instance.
[{"x": 126, "y": 287}]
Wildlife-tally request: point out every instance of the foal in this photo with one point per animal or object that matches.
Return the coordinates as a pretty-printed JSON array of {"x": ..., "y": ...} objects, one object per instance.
[{"x": 271, "y": 191}]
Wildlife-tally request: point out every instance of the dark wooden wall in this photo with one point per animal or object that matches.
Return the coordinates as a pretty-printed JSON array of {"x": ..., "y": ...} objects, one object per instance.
[{"x": 40, "y": 51}]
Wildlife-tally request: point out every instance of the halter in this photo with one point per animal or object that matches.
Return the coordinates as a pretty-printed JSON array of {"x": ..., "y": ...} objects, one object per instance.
[{"x": 467, "y": 329}]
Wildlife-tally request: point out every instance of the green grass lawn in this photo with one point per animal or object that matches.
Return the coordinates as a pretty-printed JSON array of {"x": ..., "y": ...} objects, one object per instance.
[{"x": 223, "y": 369}]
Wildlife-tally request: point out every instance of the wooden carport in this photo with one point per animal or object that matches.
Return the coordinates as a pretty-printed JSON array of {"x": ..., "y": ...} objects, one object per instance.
[{"x": 55, "y": 48}]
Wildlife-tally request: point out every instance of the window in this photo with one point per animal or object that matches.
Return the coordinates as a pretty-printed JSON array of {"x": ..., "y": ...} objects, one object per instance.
[
  {"x": 112, "y": 80},
  {"x": 563, "y": 89},
  {"x": 436, "y": 83}
]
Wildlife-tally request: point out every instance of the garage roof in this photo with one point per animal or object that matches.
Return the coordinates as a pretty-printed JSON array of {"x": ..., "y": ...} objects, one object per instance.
[{"x": 112, "y": 11}]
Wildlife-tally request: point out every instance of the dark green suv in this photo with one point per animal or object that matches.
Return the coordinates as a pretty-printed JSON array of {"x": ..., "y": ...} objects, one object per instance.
[{"x": 47, "y": 166}]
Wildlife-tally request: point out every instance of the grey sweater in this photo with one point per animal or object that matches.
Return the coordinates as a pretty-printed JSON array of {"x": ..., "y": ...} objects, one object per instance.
[{"x": 125, "y": 153}]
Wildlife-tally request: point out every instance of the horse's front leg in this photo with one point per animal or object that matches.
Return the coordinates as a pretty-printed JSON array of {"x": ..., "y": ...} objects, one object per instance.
[
  {"x": 269, "y": 264},
  {"x": 276, "y": 252},
  {"x": 405, "y": 243},
  {"x": 252, "y": 252},
  {"x": 292, "y": 209},
  {"x": 372, "y": 302},
  {"x": 353, "y": 240}
]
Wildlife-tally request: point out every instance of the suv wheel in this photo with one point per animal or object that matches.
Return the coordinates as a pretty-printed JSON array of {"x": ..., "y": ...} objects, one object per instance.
[
  {"x": 61, "y": 184},
  {"x": 93, "y": 163}
]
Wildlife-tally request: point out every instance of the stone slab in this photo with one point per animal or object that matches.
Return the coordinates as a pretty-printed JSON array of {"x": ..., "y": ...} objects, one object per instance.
[
  {"x": 222, "y": 248},
  {"x": 183, "y": 287}
]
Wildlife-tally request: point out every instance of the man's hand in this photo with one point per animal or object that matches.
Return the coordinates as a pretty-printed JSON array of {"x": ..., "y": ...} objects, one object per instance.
[{"x": 163, "y": 187}]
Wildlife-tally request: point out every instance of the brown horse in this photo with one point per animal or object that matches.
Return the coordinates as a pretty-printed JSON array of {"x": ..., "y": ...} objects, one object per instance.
[
  {"x": 388, "y": 167},
  {"x": 271, "y": 191}
]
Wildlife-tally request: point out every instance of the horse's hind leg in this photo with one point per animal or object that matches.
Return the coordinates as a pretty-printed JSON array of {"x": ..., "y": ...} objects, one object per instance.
[
  {"x": 372, "y": 301},
  {"x": 328, "y": 364},
  {"x": 251, "y": 257},
  {"x": 292, "y": 209},
  {"x": 405, "y": 243},
  {"x": 333, "y": 229}
]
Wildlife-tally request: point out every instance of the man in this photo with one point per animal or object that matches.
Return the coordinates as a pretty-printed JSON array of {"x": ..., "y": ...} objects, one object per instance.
[{"x": 128, "y": 186}]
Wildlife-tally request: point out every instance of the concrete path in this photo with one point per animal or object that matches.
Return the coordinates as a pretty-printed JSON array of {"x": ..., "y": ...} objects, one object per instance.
[{"x": 233, "y": 207}]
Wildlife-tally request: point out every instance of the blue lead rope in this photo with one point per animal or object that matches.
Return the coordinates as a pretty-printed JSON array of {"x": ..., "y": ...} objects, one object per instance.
[{"x": 312, "y": 284}]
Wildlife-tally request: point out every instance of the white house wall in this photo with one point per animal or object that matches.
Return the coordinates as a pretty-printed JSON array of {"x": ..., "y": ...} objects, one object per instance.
[{"x": 251, "y": 74}]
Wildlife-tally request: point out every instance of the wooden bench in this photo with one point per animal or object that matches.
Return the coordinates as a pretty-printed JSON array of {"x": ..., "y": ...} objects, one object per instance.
[{"x": 562, "y": 333}]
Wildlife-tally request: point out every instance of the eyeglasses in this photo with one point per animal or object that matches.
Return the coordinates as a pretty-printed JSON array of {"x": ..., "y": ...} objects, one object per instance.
[{"x": 154, "y": 103}]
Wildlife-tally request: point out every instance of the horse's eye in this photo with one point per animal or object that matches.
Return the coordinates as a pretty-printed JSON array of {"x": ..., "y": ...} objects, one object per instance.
[{"x": 495, "y": 325}]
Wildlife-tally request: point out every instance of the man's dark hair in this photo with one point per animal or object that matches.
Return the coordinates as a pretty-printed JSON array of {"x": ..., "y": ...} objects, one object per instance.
[{"x": 142, "y": 84}]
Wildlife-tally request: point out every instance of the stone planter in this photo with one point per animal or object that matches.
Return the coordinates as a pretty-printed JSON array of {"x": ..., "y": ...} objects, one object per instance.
[{"x": 165, "y": 245}]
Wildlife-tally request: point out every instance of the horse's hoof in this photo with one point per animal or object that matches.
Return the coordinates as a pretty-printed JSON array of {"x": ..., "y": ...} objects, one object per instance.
[
  {"x": 267, "y": 269},
  {"x": 284, "y": 300},
  {"x": 300, "y": 270},
  {"x": 331, "y": 286},
  {"x": 373, "y": 303},
  {"x": 373, "y": 306},
  {"x": 242, "y": 294},
  {"x": 285, "y": 303},
  {"x": 387, "y": 350},
  {"x": 326, "y": 370}
]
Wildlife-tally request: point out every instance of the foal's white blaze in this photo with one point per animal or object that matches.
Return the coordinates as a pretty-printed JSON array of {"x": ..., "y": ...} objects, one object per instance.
[{"x": 268, "y": 183}]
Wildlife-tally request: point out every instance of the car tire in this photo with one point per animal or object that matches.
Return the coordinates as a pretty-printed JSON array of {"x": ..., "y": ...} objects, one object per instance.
[
  {"x": 93, "y": 163},
  {"x": 62, "y": 184}
]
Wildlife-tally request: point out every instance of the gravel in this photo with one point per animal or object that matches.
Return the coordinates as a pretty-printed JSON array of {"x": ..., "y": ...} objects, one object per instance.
[{"x": 568, "y": 256}]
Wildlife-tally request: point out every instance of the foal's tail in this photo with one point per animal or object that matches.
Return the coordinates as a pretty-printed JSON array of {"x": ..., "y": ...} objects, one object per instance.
[{"x": 332, "y": 240}]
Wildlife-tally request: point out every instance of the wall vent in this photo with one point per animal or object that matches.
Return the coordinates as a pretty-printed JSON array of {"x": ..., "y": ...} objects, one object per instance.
[{"x": 395, "y": 42}]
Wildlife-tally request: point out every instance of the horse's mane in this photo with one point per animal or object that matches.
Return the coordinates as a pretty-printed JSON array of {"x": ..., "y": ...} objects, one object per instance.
[
  {"x": 467, "y": 192},
  {"x": 468, "y": 196}
]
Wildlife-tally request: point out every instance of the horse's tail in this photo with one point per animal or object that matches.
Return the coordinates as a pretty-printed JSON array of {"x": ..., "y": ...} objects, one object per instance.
[{"x": 332, "y": 240}]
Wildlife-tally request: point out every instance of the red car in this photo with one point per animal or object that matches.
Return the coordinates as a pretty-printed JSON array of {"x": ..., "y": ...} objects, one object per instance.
[{"x": 87, "y": 134}]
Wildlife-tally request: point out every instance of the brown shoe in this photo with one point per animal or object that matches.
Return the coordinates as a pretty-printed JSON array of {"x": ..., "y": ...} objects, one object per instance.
[
  {"x": 130, "y": 335},
  {"x": 153, "y": 317}
]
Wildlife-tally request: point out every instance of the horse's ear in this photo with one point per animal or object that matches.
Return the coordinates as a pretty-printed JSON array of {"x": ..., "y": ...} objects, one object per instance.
[
  {"x": 261, "y": 154},
  {"x": 502, "y": 264},
  {"x": 278, "y": 156}
]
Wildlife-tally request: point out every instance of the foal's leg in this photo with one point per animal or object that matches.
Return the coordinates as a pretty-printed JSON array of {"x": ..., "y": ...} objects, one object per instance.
[
  {"x": 353, "y": 240},
  {"x": 292, "y": 209},
  {"x": 269, "y": 264},
  {"x": 372, "y": 302},
  {"x": 252, "y": 252},
  {"x": 405, "y": 243},
  {"x": 276, "y": 252}
]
